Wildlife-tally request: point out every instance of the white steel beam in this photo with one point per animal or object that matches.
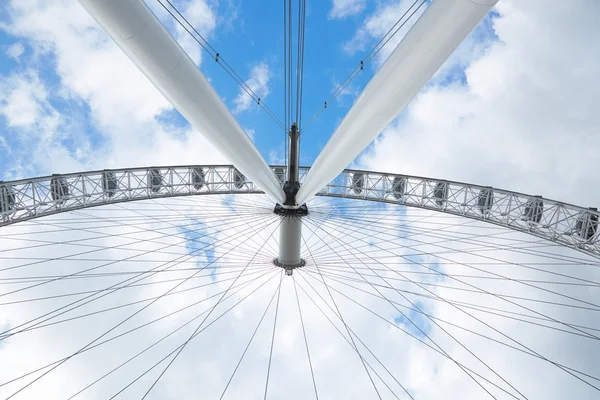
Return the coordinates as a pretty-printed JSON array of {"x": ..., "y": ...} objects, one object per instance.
[
  {"x": 432, "y": 39},
  {"x": 153, "y": 50},
  {"x": 290, "y": 236}
]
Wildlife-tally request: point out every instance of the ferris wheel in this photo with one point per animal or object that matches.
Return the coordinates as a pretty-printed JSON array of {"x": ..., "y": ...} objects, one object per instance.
[{"x": 254, "y": 281}]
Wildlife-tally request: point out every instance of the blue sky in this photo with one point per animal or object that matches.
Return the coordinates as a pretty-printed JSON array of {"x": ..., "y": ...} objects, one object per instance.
[
  {"x": 495, "y": 114},
  {"x": 246, "y": 36}
]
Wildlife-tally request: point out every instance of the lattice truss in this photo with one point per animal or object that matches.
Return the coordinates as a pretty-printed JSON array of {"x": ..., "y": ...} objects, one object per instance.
[{"x": 567, "y": 224}]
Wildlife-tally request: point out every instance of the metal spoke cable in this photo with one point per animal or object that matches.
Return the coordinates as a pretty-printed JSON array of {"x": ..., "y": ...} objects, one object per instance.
[
  {"x": 368, "y": 58},
  {"x": 238, "y": 289},
  {"x": 181, "y": 327},
  {"x": 121, "y": 323},
  {"x": 134, "y": 286},
  {"x": 88, "y": 299},
  {"x": 495, "y": 329},
  {"x": 489, "y": 247},
  {"x": 219, "y": 59},
  {"x": 426, "y": 344},
  {"x": 286, "y": 84},
  {"x": 300, "y": 60},
  {"x": 460, "y": 289},
  {"x": 120, "y": 306},
  {"x": 362, "y": 360},
  {"x": 145, "y": 252},
  {"x": 315, "y": 274},
  {"x": 273, "y": 335},
  {"x": 77, "y": 242},
  {"x": 530, "y": 285},
  {"x": 276, "y": 292},
  {"x": 348, "y": 340},
  {"x": 242, "y": 242},
  {"x": 312, "y": 373},
  {"x": 439, "y": 273},
  {"x": 412, "y": 322},
  {"x": 200, "y": 325},
  {"x": 476, "y": 307}
]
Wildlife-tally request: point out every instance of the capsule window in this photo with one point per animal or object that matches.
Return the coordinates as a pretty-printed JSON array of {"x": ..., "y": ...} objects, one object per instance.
[
  {"x": 7, "y": 199},
  {"x": 238, "y": 179},
  {"x": 485, "y": 200},
  {"x": 198, "y": 178},
  {"x": 59, "y": 189},
  {"x": 109, "y": 183},
  {"x": 533, "y": 210},
  {"x": 440, "y": 193},
  {"x": 398, "y": 187},
  {"x": 587, "y": 225},
  {"x": 155, "y": 179},
  {"x": 358, "y": 182}
]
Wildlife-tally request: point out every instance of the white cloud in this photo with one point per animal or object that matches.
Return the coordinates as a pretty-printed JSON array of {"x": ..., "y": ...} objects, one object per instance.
[
  {"x": 260, "y": 74},
  {"x": 15, "y": 50},
  {"x": 95, "y": 75},
  {"x": 203, "y": 19},
  {"x": 524, "y": 120},
  {"x": 379, "y": 23},
  {"x": 506, "y": 128},
  {"x": 24, "y": 99},
  {"x": 346, "y": 8}
]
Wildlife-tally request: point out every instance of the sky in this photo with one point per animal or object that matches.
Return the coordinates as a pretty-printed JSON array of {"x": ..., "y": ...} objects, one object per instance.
[{"x": 513, "y": 107}]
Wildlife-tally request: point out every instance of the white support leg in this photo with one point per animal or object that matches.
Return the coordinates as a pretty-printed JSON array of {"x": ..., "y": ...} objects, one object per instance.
[
  {"x": 290, "y": 239},
  {"x": 153, "y": 50},
  {"x": 417, "y": 57}
]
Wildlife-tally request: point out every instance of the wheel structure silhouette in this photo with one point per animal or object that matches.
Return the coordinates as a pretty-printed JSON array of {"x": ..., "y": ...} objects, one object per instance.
[{"x": 116, "y": 282}]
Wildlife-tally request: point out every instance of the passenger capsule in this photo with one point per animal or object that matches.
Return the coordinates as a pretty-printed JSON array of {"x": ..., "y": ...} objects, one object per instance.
[
  {"x": 198, "y": 178},
  {"x": 533, "y": 210},
  {"x": 398, "y": 187},
  {"x": 155, "y": 179},
  {"x": 59, "y": 189},
  {"x": 440, "y": 193},
  {"x": 485, "y": 200},
  {"x": 358, "y": 182},
  {"x": 238, "y": 179},
  {"x": 109, "y": 183},
  {"x": 587, "y": 224},
  {"x": 280, "y": 175},
  {"x": 7, "y": 199}
]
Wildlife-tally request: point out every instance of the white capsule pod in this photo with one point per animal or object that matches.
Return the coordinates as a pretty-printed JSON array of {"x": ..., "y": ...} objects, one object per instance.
[
  {"x": 533, "y": 210},
  {"x": 155, "y": 180},
  {"x": 7, "y": 199},
  {"x": 358, "y": 182},
  {"x": 59, "y": 189},
  {"x": 198, "y": 177},
  {"x": 398, "y": 187},
  {"x": 110, "y": 184},
  {"x": 485, "y": 200}
]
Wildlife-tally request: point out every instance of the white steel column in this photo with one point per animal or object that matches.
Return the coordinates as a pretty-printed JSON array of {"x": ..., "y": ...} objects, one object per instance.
[
  {"x": 147, "y": 43},
  {"x": 417, "y": 57},
  {"x": 290, "y": 236}
]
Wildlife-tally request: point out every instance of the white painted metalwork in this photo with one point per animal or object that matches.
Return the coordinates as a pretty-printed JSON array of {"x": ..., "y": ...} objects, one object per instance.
[
  {"x": 566, "y": 224},
  {"x": 153, "y": 50},
  {"x": 290, "y": 240},
  {"x": 417, "y": 57}
]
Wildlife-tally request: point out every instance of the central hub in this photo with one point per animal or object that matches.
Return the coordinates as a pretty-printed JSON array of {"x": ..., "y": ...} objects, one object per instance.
[
  {"x": 290, "y": 227},
  {"x": 289, "y": 268},
  {"x": 291, "y": 212}
]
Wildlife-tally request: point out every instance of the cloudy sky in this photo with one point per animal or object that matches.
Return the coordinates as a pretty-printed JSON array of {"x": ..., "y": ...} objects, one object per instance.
[{"x": 514, "y": 107}]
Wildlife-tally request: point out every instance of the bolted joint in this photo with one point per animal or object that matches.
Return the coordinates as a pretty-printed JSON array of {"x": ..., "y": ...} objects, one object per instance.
[
  {"x": 291, "y": 212},
  {"x": 290, "y": 189}
]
